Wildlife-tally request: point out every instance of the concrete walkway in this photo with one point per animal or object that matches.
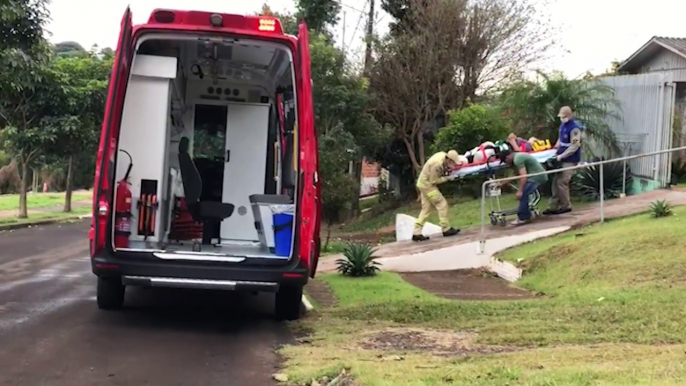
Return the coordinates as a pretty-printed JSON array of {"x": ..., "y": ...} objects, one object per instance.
[
  {"x": 461, "y": 256},
  {"x": 461, "y": 251}
]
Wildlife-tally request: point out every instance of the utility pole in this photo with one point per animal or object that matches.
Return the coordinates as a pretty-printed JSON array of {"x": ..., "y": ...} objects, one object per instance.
[
  {"x": 370, "y": 33},
  {"x": 343, "y": 37}
]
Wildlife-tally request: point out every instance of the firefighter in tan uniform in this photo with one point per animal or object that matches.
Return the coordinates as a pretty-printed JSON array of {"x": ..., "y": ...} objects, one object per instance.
[{"x": 434, "y": 173}]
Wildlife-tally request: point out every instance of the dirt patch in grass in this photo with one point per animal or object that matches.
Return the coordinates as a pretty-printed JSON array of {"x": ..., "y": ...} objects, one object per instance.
[
  {"x": 439, "y": 343},
  {"x": 320, "y": 292},
  {"x": 466, "y": 284}
]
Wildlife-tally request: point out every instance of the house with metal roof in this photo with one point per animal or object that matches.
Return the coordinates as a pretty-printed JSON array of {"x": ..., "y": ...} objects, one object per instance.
[
  {"x": 659, "y": 54},
  {"x": 651, "y": 88}
]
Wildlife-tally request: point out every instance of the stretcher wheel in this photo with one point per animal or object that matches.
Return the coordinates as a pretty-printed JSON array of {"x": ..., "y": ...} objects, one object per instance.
[
  {"x": 537, "y": 213},
  {"x": 494, "y": 221},
  {"x": 503, "y": 221}
]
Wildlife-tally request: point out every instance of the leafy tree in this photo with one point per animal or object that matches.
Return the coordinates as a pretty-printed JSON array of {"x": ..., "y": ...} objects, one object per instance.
[
  {"x": 471, "y": 126},
  {"x": 402, "y": 12},
  {"x": 21, "y": 24},
  {"x": 413, "y": 76},
  {"x": 337, "y": 149},
  {"x": 70, "y": 49},
  {"x": 318, "y": 14},
  {"x": 341, "y": 98},
  {"x": 341, "y": 101},
  {"x": 77, "y": 120},
  {"x": 107, "y": 53},
  {"x": 29, "y": 88},
  {"x": 533, "y": 106},
  {"x": 28, "y": 122}
]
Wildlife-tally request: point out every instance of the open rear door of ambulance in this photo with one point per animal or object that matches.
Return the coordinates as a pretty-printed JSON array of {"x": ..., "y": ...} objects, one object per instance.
[
  {"x": 104, "y": 167},
  {"x": 310, "y": 203}
]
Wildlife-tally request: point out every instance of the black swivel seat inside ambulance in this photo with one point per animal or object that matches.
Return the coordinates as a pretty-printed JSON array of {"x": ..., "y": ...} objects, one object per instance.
[{"x": 207, "y": 212}]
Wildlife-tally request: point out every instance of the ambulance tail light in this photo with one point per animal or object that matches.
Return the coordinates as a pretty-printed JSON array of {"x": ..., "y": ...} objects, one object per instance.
[{"x": 164, "y": 17}]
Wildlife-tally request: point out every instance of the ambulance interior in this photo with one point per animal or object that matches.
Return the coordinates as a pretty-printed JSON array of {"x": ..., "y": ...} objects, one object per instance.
[{"x": 209, "y": 126}]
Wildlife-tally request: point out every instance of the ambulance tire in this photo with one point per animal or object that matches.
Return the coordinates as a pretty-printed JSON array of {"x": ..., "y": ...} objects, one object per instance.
[
  {"x": 110, "y": 294},
  {"x": 288, "y": 304}
]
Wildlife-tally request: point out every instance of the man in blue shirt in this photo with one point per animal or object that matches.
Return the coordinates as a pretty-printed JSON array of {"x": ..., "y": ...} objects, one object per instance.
[{"x": 569, "y": 154}]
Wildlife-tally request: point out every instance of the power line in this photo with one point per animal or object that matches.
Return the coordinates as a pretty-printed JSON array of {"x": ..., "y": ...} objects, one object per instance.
[
  {"x": 348, "y": 6},
  {"x": 379, "y": 20},
  {"x": 359, "y": 19}
]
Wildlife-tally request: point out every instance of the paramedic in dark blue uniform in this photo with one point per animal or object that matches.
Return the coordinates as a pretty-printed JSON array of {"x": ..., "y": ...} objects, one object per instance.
[{"x": 569, "y": 154}]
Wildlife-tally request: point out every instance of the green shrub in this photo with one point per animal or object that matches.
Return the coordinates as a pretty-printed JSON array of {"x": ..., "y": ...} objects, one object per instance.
[
  {"x": 358, "y": 261},
  {"x": 678, "y": 171},
  {"x": 586, "y": 182},
  {"x": 660, "y": 208},
  {"x": 469, "y": 127}
]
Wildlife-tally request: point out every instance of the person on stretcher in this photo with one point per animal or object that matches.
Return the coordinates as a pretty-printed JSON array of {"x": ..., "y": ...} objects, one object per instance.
[
  {"x": 488, "y": 149},
  {"x": 521, "y": 144}
]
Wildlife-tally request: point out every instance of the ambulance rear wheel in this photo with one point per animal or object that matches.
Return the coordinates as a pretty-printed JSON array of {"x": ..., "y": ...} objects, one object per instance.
[
  {"x": 288, "y": 305},
  {"x": 110, "y": 294}
]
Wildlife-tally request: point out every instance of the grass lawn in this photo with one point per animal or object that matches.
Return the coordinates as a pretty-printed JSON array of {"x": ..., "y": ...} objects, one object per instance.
[
  {"x": 613, "y": 314},
  {"x": 41, "y": 200},
  {"x": 367, "y": 203},
  {"x": 34, "y": 217}
]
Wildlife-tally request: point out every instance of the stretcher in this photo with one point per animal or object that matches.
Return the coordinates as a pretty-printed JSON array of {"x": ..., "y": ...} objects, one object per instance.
[
  {"x": 498, "y": 215},
  {"x": 493, "y": 164}
]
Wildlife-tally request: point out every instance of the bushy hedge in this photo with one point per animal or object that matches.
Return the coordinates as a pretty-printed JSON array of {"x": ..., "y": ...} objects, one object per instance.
[{"x": 469, "y": 127}]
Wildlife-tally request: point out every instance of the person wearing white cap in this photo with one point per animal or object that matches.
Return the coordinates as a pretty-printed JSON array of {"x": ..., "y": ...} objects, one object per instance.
[
  {"x": 436, "y": 171},
  {"x": 569, "y": 154}
]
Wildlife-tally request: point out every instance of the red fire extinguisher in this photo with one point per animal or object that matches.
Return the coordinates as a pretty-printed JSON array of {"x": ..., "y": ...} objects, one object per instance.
[{"x": 122, "y": 214}]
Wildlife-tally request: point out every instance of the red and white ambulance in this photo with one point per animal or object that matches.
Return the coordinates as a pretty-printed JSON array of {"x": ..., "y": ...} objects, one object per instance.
[{"x": 207, "y": 168}]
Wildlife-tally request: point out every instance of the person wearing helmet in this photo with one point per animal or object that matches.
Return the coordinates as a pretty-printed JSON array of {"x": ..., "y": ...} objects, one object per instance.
[{"x": 436, "y": 171}]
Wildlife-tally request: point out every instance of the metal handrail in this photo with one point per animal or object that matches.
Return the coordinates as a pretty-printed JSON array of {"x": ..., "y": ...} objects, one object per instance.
[{"x": 482, "y": 238}]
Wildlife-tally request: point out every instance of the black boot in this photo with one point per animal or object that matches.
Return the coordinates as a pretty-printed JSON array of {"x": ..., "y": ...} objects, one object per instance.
[
  {"x": 451, "y": 232},
  {"x": 419, "y": 238}
]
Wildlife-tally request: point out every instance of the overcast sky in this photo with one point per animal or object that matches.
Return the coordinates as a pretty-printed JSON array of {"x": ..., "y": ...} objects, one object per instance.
[{"x": 592, "y": 32}]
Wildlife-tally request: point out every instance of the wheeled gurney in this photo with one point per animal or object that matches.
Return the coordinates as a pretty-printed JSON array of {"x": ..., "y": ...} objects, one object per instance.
[{"x": 497, "y": 215}]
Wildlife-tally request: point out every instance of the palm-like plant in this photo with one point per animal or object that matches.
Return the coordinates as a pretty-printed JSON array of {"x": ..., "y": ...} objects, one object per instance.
[
  {"x": 358, "y": 261},
  {"x": 586, "y": 182},
  {"x": 533, "y": 106},
  {"x": 660, "y": 208}
]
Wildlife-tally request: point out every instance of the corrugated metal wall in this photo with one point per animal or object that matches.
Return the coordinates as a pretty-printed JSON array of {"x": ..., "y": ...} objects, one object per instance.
[{"x": 647, "y": 103}]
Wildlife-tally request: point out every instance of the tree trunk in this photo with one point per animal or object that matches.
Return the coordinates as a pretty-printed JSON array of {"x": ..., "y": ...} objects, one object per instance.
[
  {"x": 420, "y": 145},
  {"x": 355, "y": 201},
  {"x": 23, "y": 213},
  {"x": 328, "y": 235},
  {"x": 413, "y": 158},
  {"x": 34, "y": 175},
  {"x": 415, "y": 165},
  {"x": 67, "y": 188}
]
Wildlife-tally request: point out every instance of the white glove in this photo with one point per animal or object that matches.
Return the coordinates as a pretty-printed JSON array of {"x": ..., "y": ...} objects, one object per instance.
[{"x": 558, "y": 158}]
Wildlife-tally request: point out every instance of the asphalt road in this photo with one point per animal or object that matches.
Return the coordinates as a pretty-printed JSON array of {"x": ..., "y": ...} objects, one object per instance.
[{"x": 52, "y": 333}]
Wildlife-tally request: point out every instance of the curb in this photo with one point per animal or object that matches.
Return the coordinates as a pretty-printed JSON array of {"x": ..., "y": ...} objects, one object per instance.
[
  {"x": 11, "y": 227},
  {"x": 307, "y": 304}
]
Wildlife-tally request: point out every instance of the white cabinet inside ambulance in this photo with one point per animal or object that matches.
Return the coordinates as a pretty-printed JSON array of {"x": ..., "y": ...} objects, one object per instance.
[{"x": 206, "y": 173}]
